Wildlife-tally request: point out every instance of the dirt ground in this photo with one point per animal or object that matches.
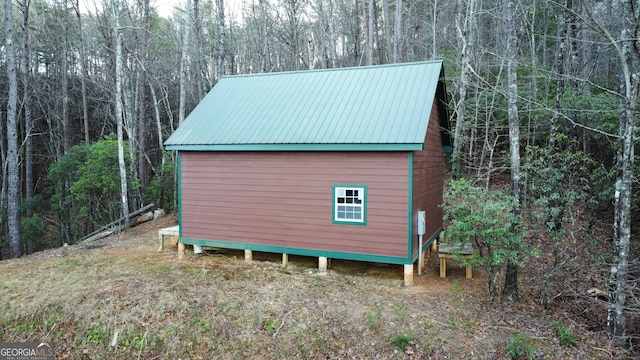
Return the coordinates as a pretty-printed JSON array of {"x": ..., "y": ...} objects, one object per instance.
[{"x": 121, "y": 298}]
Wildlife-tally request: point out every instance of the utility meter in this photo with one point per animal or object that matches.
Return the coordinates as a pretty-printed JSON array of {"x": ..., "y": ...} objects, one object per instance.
[{"x": 422, "y": 219}]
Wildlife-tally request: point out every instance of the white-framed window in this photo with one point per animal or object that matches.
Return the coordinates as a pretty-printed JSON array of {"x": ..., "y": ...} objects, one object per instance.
[{"x": 349, "y": 204}]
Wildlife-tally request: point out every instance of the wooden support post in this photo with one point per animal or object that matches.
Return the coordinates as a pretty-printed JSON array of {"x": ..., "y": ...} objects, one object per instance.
[
  {"x": 285, "y": 259},
  {"x": 408, "y": 275},
  {"x": 248, "y": 255},
  {"x": 322, "y": 265},
  {"x": 443, "y": 267},
  {"x": 181, "y": 247}
]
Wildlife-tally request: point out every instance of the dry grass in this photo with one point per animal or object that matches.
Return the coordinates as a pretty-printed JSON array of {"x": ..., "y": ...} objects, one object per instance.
[{"x": 118, "y": 298}]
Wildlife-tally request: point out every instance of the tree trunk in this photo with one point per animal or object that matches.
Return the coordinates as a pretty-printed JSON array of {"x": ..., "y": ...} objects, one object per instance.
[
  {"x": 221, "y": 29},
  {"x": 397, "y": 48},
  {"x": 64, "y": 83},
  {"x": 83, "y": 75},
  {"x": 28, "y": 120},
  {"x": 142, "y": 103},
  {"x": 556, "y": 221},
  {"x": 156, "y": 112},
  {"x": 466, "y": 28},
  {"x": 388, "y": 33},
  {"x": 618, "y": 277},
  {"x": 369, "y": 17},
  {"x": 13, "y": 172},
  {"x": 434, "y": 36},
  {"x": 332, "y": 36},
  {"x": 124, "y": 198},
  {"x": 184, "y": 61},
  {"x": 511, "y": 275},
  {"x": 266, "y": 57}
]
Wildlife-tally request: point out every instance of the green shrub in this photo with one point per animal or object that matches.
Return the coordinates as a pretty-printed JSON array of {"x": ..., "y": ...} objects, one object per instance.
[
  {"x": 401, "y": 341},
  {"x": 564, "y": 333},
  {"x": 484, "y": 218},
  {"x": 33, "y": 232},
  {"x": 520, "y": 348}
]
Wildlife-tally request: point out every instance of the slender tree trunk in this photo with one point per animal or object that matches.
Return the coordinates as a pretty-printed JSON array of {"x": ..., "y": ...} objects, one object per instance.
[
  {"x": 560, "y": 72},
  {"x": 376, "y": 34},
  {"x": 156, "y": 109},
  {"x": 83, "y": 75},
  {"x": 142, "y": 93},
  {"x": 332, "y": 36},
  {"x": 64, "y": 83},
  {"x": 434, "y": 36},
  {"x": 511, "y": 275},
  {"x": 397, "y": 48},
  {"x": 13, "y": 172},
  {"x": 28, "y": 120},
  {"x": 184, "y": 61},
  {"x": 369, "y": 17},
  {"x": 466, "y": 28},
  {"x": 198, "y": 63},
  {"x": 320, "y": 11},
  {"x": 124, "y": 197},
  {"x": 628, "y": 132},
  {"x": 388, "y": 33},
  {"x": 266, "y": 58},
  {"x": 221, "y": 30}
]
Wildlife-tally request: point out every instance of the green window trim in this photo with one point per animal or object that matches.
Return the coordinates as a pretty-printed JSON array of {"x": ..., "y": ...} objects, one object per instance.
[{"x": 349, "y": 204}]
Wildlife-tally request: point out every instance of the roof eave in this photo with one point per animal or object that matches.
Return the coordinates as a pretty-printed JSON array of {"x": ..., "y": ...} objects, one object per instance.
[{"x": 299, "y": 147}]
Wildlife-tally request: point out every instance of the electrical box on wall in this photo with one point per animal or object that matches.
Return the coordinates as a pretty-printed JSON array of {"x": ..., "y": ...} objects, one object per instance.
[{"x": 422, "y": 219}]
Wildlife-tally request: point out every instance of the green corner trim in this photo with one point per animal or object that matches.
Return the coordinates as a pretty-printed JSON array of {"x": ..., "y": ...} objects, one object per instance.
[
  {"x": 410, "y": 206},
  {"x": 179, "y": 185}
]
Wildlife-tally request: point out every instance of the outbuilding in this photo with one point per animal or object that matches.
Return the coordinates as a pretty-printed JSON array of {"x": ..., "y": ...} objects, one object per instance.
[{"x": 333, "y": 163}]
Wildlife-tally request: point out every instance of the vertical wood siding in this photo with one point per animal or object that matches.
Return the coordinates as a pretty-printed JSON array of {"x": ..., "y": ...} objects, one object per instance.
[
  {"x": 428, "y": 180},
  {"x": 285, "y": 199}
]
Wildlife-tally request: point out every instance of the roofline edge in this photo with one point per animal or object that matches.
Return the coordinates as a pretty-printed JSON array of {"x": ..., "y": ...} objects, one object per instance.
[{"x": 299, "y": 147}]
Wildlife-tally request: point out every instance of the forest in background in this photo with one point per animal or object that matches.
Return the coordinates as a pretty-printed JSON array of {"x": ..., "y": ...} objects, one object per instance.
[{"x": 547, "y": 89}]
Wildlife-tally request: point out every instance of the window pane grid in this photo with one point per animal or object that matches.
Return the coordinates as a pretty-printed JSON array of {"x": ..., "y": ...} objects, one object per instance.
[{"x": 349, "y": 204}]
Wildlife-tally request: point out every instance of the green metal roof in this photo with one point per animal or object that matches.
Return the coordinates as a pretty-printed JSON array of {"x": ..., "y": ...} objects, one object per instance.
[{"x": 347, "y": 109}]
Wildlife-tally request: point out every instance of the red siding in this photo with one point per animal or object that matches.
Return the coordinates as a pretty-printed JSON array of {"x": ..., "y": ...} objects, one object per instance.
[
  {"x": 285, "y": 199},
  {"x": 428, "y": 178}
]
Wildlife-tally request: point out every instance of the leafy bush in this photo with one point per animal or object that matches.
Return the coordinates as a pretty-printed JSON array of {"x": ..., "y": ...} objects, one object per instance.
[
  {"x": 84, "y": 186},
  {"x": 484, "y": 218}
]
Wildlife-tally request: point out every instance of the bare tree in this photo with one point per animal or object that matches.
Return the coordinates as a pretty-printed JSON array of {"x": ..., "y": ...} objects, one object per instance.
[
  {"x": 369, "y": 17},
  {"x": 466, "y": 27},
  {"x": 626, "y": 48},
  {"x": 184, "y": 61},
  {"x": 26, "y": 104},
  {"x": 117, "y": 38},
  {"x": 397, "y": 48},
  {"x": 142, "y": 95},
  {"x": 511, "y": 275},
  {"x": 221, "y": 32},
  {"x": 83, "y": 73},
  {"x": 13, "y": 173}
]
